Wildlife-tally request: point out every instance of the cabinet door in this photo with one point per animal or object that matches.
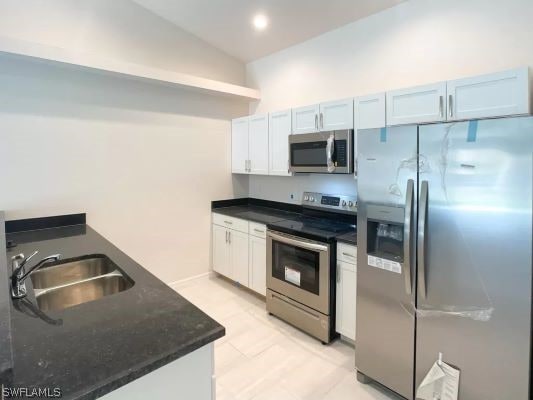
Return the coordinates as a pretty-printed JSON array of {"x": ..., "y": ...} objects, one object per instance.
[
  {"x": 258, "y": 144},
  {"x": 336, "y": 115},
  {"x": 257, "y": 270},
  {"x": 239, "y": 256},
  {"x": 239, "y": 145},
  {"x": 370, "y": 111},
  {"x": 346, "y": 299},
  {"x": 493, "y": 95},
  {"x": 305, "y": 119},
  {"x": 220, "y": 249},
  {"x": 415, "y": 105},
  {"x": 279, "y": 129}
]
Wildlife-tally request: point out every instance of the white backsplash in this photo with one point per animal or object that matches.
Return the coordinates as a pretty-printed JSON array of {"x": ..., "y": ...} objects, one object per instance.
[{"x": 290, "y": 189}]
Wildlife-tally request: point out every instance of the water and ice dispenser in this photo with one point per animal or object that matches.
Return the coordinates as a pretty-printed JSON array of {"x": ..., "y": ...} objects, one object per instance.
[{"x": 385, "y": 235}]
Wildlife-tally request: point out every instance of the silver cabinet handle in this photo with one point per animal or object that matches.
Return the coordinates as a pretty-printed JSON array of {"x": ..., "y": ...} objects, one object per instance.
[
  {"x": 338, "y": 274},
  {"x": 407, "y": 227},
  {"x": 249, "y": 165},
  {"x": 316, "y": 122},
  {"x": 228, "y": 222},
  {"x": 259, "y": 230},
  {"x": 450, "y": 105},
  {"x": 422, "y": 221},
  {"x": 321, "y": 121},
  {"x": 441, "y": 106},
  {"x": 348, "y": 254},
  {"x": 226, "y": 236},
  {"x": 229, "y": 237}
]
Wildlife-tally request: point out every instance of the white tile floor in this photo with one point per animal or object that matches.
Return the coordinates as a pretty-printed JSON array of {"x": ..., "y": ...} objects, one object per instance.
[{"x": 263, "y": 358}]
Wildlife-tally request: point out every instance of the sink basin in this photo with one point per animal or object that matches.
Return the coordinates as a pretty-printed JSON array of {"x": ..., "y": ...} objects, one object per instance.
[
  {"x": 82, "y": 292},
  {"x": 72, "y": 270},
  {"x": 77, "y": 280}
]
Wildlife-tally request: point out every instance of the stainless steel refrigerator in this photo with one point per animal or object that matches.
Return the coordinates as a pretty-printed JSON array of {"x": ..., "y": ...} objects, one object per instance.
[{"x": 445, "y": 255}]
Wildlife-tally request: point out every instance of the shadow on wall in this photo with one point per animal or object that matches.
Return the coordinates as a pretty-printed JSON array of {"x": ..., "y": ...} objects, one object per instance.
[{"x": 39, "y": 88}]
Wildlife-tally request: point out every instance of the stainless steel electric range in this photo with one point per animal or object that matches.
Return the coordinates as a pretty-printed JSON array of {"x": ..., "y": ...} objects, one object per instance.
[{"x": 301, "y": 263}]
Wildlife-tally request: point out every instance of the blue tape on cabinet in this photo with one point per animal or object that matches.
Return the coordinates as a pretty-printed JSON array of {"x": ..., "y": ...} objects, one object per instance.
[{"x": 383, "y": 135}]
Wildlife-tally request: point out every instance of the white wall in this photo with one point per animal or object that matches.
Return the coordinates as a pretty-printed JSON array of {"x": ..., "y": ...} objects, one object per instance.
[
  {"x": 118, "y": 29},
  {"x": 143, "y": 160},
  {"x": 416, "y": 42}
]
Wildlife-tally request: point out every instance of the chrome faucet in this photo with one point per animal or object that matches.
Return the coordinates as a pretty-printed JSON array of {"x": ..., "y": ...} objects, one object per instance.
[{"x": 18, "y": 278}]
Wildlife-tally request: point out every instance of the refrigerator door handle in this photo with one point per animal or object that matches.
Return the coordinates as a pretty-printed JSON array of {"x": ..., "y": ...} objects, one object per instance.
[
  {"x": 407, "y": 235},
  {"x": 422, "y": 222}
]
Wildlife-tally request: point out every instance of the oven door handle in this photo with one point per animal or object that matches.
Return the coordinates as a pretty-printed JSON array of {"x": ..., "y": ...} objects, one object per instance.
[{"x": 297, "y": 242}]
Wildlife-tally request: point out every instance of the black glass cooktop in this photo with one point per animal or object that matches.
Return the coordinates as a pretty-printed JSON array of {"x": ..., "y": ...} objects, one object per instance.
[{"x": 313, "y": 228}]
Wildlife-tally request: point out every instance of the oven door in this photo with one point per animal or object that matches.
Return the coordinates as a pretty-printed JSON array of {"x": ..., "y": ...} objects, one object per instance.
[
  {"x": 299, "y": 269},
  {"x": 322, "y": 152}
]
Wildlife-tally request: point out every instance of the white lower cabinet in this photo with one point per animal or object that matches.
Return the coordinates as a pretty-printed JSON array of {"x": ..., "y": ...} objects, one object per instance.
[
  {"x": 221, "y": 251},
  {"x": 238, "y": 242},
  {"x": 230, "y": 253},
  {"x": 257, "y": 266},
  {"x": 346, "y": 293},
  {"x": 239, "y": 251},
  {"x": 188, "y": 377}
]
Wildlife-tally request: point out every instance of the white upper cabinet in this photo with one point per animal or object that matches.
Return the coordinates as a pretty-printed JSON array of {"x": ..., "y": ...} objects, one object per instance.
[
  {"x": 279, "y": 129},
  {"x": 249, "y": 145},
  {"x": 239, "y": 145},
  {"x": 499, "y": 94},
  {"x": 305, "y": 119},
  {"x": 258, "y": 144},
  {"x": 336, "y": 115},
  {"x": 369, "y": 111},
  {"x": 421, "y": 104}
]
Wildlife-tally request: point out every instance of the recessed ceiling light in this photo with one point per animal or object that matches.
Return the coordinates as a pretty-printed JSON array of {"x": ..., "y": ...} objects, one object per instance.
[{"x": 260, "y": 22}]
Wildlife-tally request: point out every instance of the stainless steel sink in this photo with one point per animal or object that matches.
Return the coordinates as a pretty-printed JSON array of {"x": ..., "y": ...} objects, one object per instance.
[
  {"x": 76, "y": 281},
  {"x": 72, "y": 270},
  {"x": 82, "y": 292}
]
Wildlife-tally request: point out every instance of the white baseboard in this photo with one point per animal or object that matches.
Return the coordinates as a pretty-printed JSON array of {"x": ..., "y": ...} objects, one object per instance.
[{"x": 191, "y": 278}]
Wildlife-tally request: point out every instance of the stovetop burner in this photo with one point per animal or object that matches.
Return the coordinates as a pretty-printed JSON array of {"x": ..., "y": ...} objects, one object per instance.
[
  {"x": 312, "y": 228},
  {"x": 325, "y": 217}
]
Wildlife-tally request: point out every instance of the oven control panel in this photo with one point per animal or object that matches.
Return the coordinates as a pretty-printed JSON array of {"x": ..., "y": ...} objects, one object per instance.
[{"x": 331, "y": 202}]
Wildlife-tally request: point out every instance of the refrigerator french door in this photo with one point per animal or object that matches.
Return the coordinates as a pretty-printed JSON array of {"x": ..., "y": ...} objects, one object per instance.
[
  {"x": 469, "y": 232},
  {"x": 474, "y": 255}
]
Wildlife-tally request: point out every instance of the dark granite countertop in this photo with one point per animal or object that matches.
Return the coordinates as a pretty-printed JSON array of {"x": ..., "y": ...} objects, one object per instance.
[
  {"x": 93, "y": 348},
  {"x": 262, "y": 215},
  {"x": 350, "y": 238},
  {"x": 256, "y": 210}
]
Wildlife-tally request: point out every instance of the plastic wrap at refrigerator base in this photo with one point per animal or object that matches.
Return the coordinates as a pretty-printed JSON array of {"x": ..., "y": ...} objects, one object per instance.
[{"x": 440, "y": 383}]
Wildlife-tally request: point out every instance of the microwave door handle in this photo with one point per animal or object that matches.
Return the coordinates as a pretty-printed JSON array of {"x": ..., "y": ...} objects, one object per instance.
[
  {"x": 330, "y": 147},
  {"x": 407, "y": 225}
]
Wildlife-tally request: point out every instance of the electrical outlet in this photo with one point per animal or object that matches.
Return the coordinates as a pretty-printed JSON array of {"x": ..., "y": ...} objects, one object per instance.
[{"x": 292, "y": 196}]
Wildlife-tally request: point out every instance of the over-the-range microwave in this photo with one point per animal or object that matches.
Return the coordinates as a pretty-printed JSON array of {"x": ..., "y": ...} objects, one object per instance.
[{"x": 322, "y": 152}]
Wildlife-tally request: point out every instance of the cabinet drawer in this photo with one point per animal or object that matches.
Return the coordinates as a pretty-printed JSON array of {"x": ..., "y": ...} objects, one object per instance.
[
  {"x": 258, "y": 230},
  {"x": 230, "y": 222},
  {"x": 347, "y": 253}
]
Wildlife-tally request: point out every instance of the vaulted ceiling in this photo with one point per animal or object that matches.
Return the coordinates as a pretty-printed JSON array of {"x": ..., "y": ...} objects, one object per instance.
[{"x": 227, "y": 24}]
